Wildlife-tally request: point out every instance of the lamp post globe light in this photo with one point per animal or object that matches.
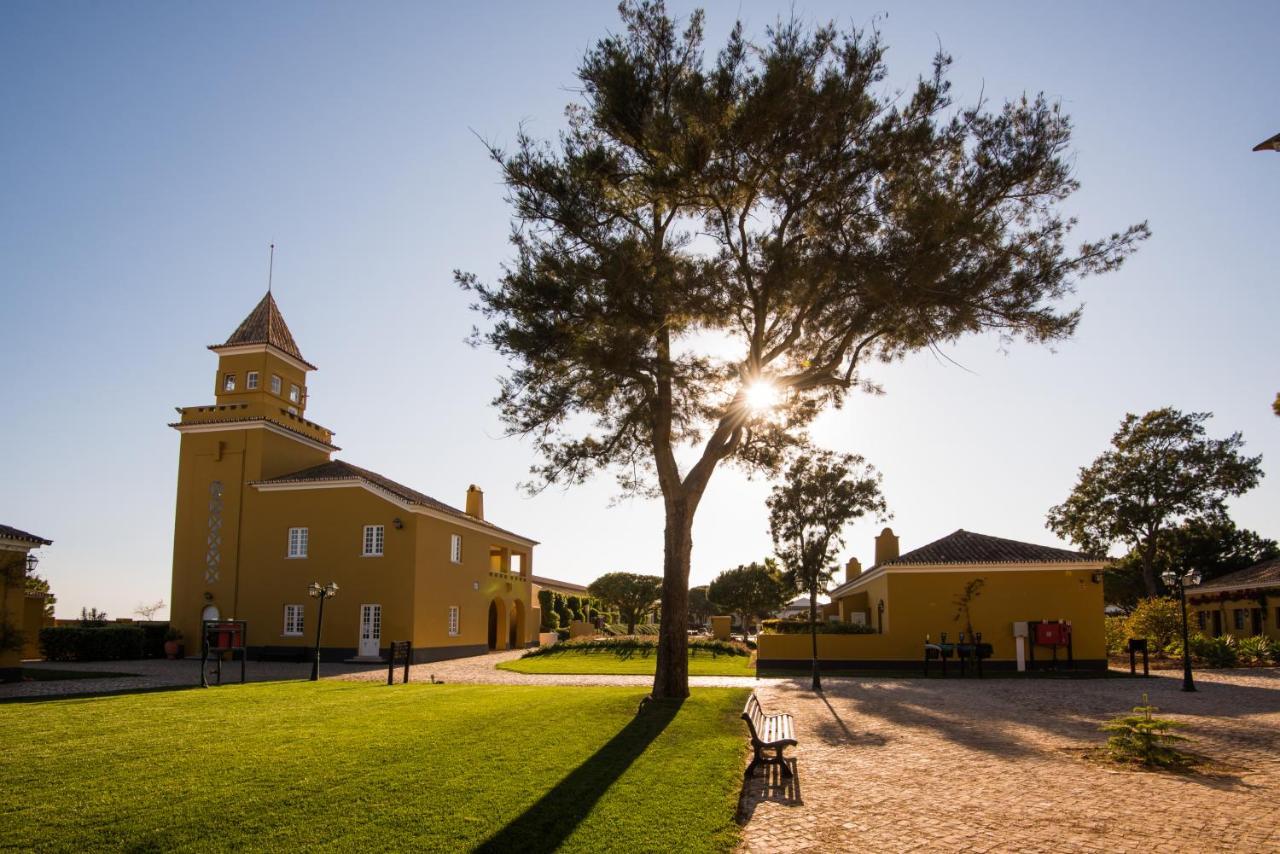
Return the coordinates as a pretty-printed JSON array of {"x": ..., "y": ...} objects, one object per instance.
[
  {"x": 1179, "y": 583},
  {"x": 315, "y": 591}
]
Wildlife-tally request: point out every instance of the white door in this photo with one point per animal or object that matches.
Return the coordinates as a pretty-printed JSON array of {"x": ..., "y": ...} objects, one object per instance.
[{"x": 370, "y": 630}]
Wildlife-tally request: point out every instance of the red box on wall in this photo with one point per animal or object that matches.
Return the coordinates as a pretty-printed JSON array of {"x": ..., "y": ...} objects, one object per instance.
[{"x": 1052, "y": 634}]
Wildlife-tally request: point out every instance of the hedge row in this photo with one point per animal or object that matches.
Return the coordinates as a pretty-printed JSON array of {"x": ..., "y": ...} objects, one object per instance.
[
  {"x": 629, "y": 645},
  {"x": 801, "y": 627},
  {"x": 107, "y": 643}
]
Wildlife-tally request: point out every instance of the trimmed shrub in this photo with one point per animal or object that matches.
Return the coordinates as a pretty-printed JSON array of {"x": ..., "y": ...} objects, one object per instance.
[
  {"x": 1116, "y": 632},
  {"x": 562, "y": 634},
  {"x": 801, "y": 627},
  {"x": 1256, "y": 650},
  {"x": 626, "y": 646},
  {"x": 1158, "y": 620},
  {"x": 105, "y": 643},
  {"x": 546, "y": 604},
  {"x": 1207, "y": 651}
]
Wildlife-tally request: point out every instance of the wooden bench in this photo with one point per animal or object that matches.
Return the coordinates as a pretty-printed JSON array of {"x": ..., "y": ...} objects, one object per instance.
[{"x": 768, "y": 732}]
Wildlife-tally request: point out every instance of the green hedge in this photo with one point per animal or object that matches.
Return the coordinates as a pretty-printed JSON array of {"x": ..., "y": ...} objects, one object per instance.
[
  {"x": 629, "y": 645},
  {"x": 801, "y": 627},
  {"x": 108, "y": 643}
]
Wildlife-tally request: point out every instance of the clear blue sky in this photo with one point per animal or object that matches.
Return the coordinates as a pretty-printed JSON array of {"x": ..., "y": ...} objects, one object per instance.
[{"x": 151, "y": 152}]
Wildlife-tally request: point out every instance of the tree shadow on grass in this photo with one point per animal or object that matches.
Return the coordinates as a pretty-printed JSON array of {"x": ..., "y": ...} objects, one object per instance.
[{"x": 545, "y": 825}]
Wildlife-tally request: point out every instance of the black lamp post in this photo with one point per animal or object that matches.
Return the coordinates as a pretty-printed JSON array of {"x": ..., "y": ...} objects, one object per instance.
[
  {"x": 1179, "y": 583},
  {"x": 315, "y": 591}
]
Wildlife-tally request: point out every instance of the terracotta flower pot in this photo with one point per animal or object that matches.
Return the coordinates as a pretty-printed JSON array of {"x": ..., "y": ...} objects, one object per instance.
[{"x": 171, "y": 649}]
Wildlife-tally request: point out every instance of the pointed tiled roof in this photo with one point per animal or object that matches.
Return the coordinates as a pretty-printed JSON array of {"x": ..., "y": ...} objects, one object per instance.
[
  {"x": 265, "y": 325},
  {"x": 967, "y": 547},
  {"x": 338, "y": 470}
]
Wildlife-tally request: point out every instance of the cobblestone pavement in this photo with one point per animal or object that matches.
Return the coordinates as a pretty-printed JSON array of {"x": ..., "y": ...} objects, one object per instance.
[{"x": 997, "y": 765}]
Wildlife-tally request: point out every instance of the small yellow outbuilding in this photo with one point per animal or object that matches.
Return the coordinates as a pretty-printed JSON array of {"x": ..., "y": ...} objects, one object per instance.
[{"x": 1018, "y": 596}]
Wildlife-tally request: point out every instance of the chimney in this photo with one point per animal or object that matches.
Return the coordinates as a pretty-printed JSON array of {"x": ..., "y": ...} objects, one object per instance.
[
  {"x": 475, "y": 501},
  {"x": 852, "y": 569},
  {"x": 886, "y": 546}
]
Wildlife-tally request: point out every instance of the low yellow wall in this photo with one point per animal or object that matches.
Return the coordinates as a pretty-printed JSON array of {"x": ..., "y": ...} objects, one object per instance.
[
  {"x": 721, "y": 627},
  {"x": 581, "y": 629}
]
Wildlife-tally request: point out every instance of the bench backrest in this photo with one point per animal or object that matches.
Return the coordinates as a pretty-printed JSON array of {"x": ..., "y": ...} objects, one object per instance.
[{"x": 754, "y": 716}]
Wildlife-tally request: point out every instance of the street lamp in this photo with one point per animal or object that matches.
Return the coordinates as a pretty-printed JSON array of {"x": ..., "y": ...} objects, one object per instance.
[
  {"x": 1179, "y": 583},
  {"x": 315, "y": 591},
  {"x": 32, "y": 560}
]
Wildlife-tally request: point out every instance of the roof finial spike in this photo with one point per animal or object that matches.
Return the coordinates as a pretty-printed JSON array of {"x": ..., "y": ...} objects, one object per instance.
[{"x": 271, "y": 266}]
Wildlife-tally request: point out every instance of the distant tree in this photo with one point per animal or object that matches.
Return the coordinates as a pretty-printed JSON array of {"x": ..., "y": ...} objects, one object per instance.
[
  {"x": 1161, "y": 470},
  {"x": 1275, "y": 405},
  {"x": 633, "y": 595},
  {"x": 148, "y": 611},
  {"x": 700, "y": 605},
  {"x": 777, "y": 202},
  {"x": 92, "y": 617},
  {"x": 752, "y": 591},
  {"x": 37, "y": 584},
  {"x": 808, "y": 513},
  {"x": 1215, "y": 546}
]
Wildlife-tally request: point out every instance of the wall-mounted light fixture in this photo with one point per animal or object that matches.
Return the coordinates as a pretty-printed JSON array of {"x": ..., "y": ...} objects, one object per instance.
[
  {"x": 1097, "y": 576},
  {"x": 397, "y": 523}
]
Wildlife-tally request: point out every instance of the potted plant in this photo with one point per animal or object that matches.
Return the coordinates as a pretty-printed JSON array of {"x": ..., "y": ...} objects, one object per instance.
[{"x": 172, "y": 647}]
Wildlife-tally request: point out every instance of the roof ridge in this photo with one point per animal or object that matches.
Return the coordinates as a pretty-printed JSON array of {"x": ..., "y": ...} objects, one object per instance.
[{"x": 265, "y": 324}]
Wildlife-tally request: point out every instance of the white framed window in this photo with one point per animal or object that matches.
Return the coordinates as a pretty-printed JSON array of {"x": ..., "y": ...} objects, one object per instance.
[
  {"x": 293, "y": 410},
  {"x": 275, "y": 384},
  {"x": 229, "y": 382},
  {"x": 294, "y": 393},
  {"x": 373, "y": 537},
  {"x": 455, "y": 548},
  {"x": 453, "y": 621},
  {"x": 298, "y": 542},
  {"x": 251, "y": 380},
  {"x": 293, "y": 619}
]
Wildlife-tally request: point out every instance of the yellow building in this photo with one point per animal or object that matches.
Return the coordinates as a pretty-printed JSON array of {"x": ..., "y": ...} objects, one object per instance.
[
  {"x": 1240, "y": 604},
  {"x": 18, "y": 623},
  {"x": 905, "y": 598},
  {"x": 263, "y": 510}
]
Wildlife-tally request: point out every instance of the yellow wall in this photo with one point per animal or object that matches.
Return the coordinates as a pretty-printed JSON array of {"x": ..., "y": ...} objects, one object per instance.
[
  {"x": 920, "y": 603},
  {"x": 33, "y": 620},
  {"x": 1226, "y": 609},
  {"x": 12, "y": 603}
]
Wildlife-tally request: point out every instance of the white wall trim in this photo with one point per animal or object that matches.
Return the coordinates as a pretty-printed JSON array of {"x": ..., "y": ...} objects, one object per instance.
[
  {"x": 970, "y": 568},
  {"x": 262, "y": 423}
]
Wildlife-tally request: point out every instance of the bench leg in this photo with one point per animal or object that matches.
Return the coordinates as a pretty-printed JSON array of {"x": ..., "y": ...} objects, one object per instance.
[
  {"x": 782, "y": 760},
  {"x": 755, "y": 761}
]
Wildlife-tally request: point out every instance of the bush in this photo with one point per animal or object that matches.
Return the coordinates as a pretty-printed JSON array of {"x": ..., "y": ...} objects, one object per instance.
[
  {"x": 106, "y": 643},
  {"x": 1141, "y": 737},
  {"x": 1158, "y": 620},
  {"x": 1256, "y": 650},
  {"x": 562, "y": 634},
  {"x": 1207, "y": 651},
  {"x": 626, "y": 646},
  {"x": 1116, "y": 632},
  {"x": 801, "y": 627},
  {"x": 154, "y": 636}
]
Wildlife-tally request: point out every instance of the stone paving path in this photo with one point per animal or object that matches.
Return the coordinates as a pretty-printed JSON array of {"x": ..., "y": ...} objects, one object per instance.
[{"x": 996, "y": 765}]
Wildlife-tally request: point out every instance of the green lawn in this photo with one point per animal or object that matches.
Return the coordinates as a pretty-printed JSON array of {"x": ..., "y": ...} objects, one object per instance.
[
  {"x": 366, "y": 767},
  {"x": 607, "y": 662}
]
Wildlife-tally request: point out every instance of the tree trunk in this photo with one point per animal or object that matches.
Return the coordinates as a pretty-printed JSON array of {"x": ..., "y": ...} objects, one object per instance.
[
  {"x": 1149, "y": 567},
  {"x": 631, "y": 625},
  {"x": 672, "y": 676},
  {"x": 813, "y": 634}
]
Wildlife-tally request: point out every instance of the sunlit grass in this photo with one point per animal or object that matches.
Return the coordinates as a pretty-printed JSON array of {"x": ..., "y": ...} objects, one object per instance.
[{"x": 368, "y": 767}]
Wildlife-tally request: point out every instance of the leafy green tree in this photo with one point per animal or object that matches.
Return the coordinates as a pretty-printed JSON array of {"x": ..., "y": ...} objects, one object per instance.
[
  {"x": 808, "y": 513},
  {"x": 1161, "y": 470},
  {"x": 700, "y": 605},
  {"x": 633, "y": 595},
  {"x": 37, "y": 584},
  {"x": 775, "y": 202},
  {"x": 752, "y": 591},
  {"x": 1215, "y": 546}
]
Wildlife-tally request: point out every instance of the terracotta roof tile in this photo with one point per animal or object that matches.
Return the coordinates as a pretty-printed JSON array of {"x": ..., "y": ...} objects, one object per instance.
[
  {"x": 1262, "y": 574},
  {"x": 10, "y": 533},
  {"x": 967, "y": 547},
  {"x": 265, "y": 325},
  {"x": 335, "y": 470}
]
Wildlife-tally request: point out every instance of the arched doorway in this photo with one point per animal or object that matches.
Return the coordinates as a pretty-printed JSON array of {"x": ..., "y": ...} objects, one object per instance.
[
  {"x": 210, "y": 612},
  {"x": 498, "y": 635},
  {"x": 517, "y": 636}
]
